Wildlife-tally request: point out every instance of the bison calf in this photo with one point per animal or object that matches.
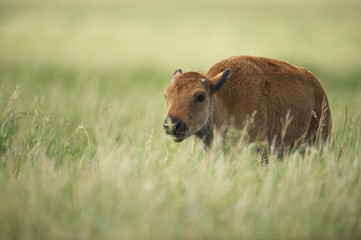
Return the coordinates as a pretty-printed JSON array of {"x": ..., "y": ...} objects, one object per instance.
[{"x": 287, "y": 103}]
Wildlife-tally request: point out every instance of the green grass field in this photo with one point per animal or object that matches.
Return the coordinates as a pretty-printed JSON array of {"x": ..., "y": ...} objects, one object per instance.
[{"x": 82, "y": 150}]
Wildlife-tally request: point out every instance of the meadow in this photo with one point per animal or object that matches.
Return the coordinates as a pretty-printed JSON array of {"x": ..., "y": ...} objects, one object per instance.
[{"x": 82, "y": 151}]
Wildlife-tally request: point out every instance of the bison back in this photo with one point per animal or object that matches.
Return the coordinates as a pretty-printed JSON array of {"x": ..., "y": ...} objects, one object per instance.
[{"x": 287, "y": 102}]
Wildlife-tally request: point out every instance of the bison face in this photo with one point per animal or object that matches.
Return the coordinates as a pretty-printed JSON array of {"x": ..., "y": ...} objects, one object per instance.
[{"x": 189, "y": 100}]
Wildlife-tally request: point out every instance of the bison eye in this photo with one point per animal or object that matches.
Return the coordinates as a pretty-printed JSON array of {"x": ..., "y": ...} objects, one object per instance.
[{"x": 200, "y": 98}]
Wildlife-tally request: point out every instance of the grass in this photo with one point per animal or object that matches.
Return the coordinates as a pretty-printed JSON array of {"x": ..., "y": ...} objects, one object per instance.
[{"x": 82, "y": 150}]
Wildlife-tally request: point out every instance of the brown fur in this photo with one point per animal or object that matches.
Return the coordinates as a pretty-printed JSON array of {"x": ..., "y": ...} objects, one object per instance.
[{"x": 279, "y": 95}]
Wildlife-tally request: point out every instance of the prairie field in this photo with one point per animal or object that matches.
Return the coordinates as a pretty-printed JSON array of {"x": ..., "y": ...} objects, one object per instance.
[{"x": 82, "y": 151}]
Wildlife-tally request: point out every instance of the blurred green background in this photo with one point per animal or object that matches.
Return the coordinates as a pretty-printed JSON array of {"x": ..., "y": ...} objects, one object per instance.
[
  {"x": 119, "y": 49},
  {"x": 82, "y": 150}
]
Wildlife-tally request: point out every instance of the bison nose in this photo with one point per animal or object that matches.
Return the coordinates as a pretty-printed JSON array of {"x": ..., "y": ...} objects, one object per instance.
[
  {"x": 165, "y": 125},
  {"x": 174, "y": 126}
]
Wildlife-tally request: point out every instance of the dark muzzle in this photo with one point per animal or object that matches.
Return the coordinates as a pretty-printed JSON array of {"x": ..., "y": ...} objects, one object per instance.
[{"x": 175, "y": 127}]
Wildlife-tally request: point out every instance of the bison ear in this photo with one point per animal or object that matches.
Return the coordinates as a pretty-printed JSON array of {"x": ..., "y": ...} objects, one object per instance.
[
  {"x": 177, "y": 72},
  {"x": 219, "y": 80}
]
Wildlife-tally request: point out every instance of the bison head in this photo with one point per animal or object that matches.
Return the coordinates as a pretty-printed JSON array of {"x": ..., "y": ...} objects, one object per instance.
[{"x": 189, "y": 99}]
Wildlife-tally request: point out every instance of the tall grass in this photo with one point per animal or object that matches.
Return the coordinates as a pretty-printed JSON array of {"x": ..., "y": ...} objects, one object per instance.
[
  {"x": 59, "y": 182},
  {"x": 82, "y": 150}
]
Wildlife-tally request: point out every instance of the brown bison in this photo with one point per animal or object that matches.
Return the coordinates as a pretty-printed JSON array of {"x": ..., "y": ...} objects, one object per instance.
[{"x": 285, "y": 104}]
